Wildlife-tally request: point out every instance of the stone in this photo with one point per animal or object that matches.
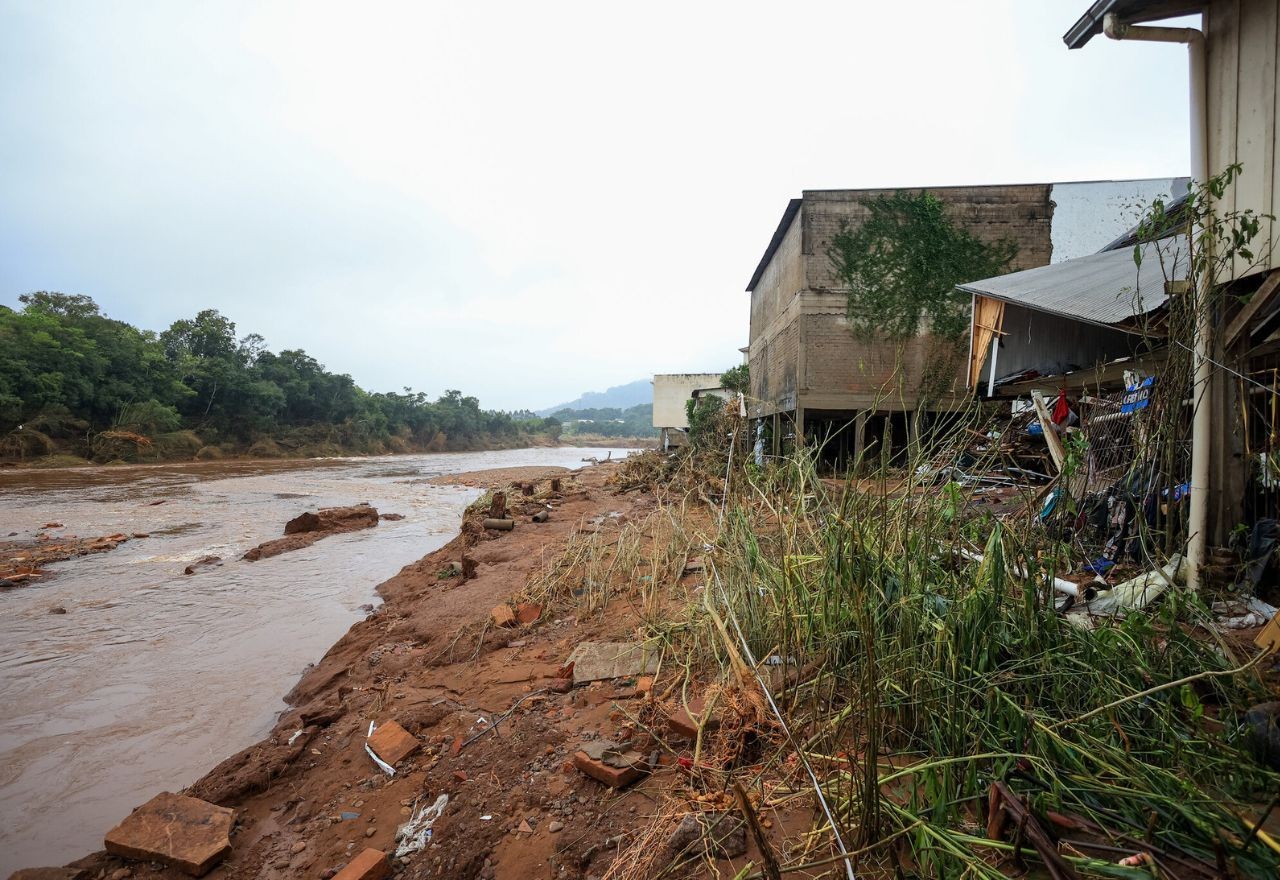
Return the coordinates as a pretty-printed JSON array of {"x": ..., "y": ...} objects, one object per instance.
[
  {"x": 1262, "y": 732},
  {"x": 503, "y": 615},
  {"x": 695, "y": 565},
  {"x": 525, "y": 827},
  {"x": 560, "y": 685},
  {"x": 609, "y": 763},
  {"x": 372, "y": 864},
  {"x": 597, "y": 661},
  {"x": 721, "y": 835},
  {"x": 190, "y": 834},
  {"x": 298, "y": 847},
  {"x": 392, "y": 743},
  {"x": 556, "y": 826},
  {"x": 528, "y": 612},
  {"x": 644, "y": 685}
]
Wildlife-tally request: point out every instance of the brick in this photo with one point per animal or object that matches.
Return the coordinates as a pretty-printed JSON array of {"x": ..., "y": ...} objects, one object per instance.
[
  {"x": 644, "y": 685},
  {"x": 682, "y": 723},
  {"x": 392, "y": 743},
  {"x": 528, "y": 612},
  {"x": 190, "y": 834},
  {"x": 611, "y": 775},
  {"x": 560, "y": 685},
  {"x": 372, "y": 864},
  {"x": 503, "y": 615}
]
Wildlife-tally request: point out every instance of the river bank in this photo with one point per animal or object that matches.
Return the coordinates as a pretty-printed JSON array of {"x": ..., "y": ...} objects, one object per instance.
[
  {"x": 141, "y": 686},
  {"x": 308, "y": 797}
]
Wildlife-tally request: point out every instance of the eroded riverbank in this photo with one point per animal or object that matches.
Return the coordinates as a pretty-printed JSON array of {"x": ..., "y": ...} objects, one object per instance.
[{"x": 153, "y": 676}]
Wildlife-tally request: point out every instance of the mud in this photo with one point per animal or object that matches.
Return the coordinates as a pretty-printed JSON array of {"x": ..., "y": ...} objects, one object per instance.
[
  {"x": 308, "y": 796},
  {"x": 151, "y": 677},
  {"x": 307, "y": 528}
]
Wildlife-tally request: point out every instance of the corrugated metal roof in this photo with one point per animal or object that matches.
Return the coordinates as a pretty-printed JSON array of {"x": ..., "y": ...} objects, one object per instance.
[{"x": 1106, "y": 288}]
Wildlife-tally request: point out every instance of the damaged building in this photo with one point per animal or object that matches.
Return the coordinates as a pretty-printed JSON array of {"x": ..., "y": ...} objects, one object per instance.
[{"x": 813, "y": 380}]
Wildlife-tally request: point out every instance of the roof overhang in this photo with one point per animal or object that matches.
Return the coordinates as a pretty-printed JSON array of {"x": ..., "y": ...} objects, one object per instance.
[
  {"x": 1131, "y": 11},
  {"x": 1108, "y": 289},
  {"x": 793, "y": 208}
]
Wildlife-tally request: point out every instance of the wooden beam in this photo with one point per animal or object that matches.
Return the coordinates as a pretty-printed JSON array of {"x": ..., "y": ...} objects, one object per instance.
[
  {"x": 1263, "y": 295},
  {"x": 1051, "y": 437}
]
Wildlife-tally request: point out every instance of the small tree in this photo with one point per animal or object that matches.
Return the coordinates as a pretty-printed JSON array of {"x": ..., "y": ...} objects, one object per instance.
[
  {"x": 736, "y": 379},
  {"x": 902, "y": 265}
]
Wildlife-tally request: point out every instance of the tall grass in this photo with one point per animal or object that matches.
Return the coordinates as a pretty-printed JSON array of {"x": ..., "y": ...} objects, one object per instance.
[{"x": 932, "y": 676}]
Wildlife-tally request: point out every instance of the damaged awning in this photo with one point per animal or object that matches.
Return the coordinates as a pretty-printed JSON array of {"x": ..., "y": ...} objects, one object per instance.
[{"x": 1107, "y": 288}]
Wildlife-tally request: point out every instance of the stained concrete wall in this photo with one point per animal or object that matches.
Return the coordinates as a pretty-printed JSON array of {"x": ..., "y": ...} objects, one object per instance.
[{"x": 670, "y": 393}]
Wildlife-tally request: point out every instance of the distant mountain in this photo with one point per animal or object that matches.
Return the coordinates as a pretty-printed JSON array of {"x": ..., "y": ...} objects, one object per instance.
[{"x": 621, "y": 397}]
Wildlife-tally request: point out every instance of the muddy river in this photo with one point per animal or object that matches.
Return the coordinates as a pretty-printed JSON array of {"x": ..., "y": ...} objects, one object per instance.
[{"x": 152, "y": 677}]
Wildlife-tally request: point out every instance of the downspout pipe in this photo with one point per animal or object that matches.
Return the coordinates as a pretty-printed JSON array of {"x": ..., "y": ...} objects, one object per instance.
[{"x": 1202, "y": 420}]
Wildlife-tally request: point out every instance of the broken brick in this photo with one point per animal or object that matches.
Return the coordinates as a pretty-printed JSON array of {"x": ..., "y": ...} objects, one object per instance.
[
  {"x": 372, "y": 864},
  {"x": 644, "y": 685},
  {"x": 190, "y": 834},
  {"x": 605, "y": 762},
  {"x": 392, "y": 743},
  {"x": 560, "y": 685},
  {"x": 681, "y": 721},
  {"x": 503, "y": 616},
  {"x": 528, "y": 612}
]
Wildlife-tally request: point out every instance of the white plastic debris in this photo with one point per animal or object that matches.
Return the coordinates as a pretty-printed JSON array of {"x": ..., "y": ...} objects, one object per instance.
[
  {"x": 415, "y": 834},
  {"x": 296, "y": 734},
  {"x": 386, "y": 768}
]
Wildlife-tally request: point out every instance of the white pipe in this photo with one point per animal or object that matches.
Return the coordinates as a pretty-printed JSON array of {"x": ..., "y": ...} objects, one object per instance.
[
  {"x": 1061, "y": 585},
  {"x": 1202, "y": 421},
  {"x": 991, "y": 380}
]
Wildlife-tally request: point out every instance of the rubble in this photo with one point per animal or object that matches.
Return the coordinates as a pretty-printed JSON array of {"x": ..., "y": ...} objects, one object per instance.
[
  {"x": 190, "y": 834},
  {"x": 596, "y": 661},
  {"x": 392, "y": 743},
  {"x": 719, "y": 835},
  {"x": 307, "y": 528},
  {"x": 614, "y": 765},
  {"x": 371, "y": 864}
]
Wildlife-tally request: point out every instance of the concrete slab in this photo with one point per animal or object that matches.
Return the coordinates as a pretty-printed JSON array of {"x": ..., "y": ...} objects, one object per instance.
[{"x": 190, "y": 834}]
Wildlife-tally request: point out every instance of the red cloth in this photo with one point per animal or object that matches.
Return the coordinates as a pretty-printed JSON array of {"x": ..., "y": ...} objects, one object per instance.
[{"x": 1061, "y": 410}]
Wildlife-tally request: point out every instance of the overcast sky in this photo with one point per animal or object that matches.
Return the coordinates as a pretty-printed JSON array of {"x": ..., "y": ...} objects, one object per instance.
[{"x": 520, "y": 200}]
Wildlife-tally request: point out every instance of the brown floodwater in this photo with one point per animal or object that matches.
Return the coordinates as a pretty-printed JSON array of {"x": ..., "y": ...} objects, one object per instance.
[{"x": 152, "y": 677}]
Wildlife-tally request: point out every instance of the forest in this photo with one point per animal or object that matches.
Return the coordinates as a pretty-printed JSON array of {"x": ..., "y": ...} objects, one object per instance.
[{"x": 74, "y": 382}]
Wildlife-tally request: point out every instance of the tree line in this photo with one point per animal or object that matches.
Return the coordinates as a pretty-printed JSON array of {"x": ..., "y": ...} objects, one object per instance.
[{"x": 74, "y": 380}]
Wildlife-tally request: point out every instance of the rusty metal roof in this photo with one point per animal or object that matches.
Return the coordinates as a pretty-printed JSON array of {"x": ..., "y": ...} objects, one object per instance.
[{"x": 1108, "y": 288}]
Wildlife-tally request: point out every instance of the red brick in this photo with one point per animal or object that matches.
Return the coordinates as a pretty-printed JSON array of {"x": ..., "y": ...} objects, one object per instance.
[
  {"x": 190, "y": 834},
  {"x": 528, "y": 612},
  {"x": 614, "y": 777},
  {"x": 392, "y": 743},
  {"x": 503, "y": 616},
  {"x": 372, "y": 864},
  {"x": 682, "y": 723},
  {"x": 560, "y": 685}
]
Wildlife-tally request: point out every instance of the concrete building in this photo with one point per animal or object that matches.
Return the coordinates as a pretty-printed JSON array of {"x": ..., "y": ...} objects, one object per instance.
[
  {"x": 812, "y": 378},
  {"x": 671, "y": 393}
]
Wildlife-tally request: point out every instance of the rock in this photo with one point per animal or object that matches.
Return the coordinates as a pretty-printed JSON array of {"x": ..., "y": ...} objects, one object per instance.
[
  {"x": 722, "y": 835},
  {"x": 57, "y": 609},
  {"x": 307, "y": 522},
  {"x": 560, "y": 685},
  {"x": 595, "y": 661},
  {"x": 695, "y": 565},
  {"x": 392, "y": 743},
  {"x": 556, "y": 826},
  {"x": 121, "y": 874},
  {"x": 298, "y": 847},
  {"x": 372, "y": 864},
  {"x": 1262, "y": 733},
  {"x": 391, "y": 517},
  {"x": 370, "y": 831},
  {"x": 644, "y": 685},
  {"x": 190, "y": 834},
  {"x": 202, "y": 562},
  {"x": 525, "y": 827},
  {"x": 609, "y": 763},
  {"x": 47, "y": 874}
]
